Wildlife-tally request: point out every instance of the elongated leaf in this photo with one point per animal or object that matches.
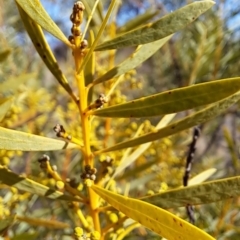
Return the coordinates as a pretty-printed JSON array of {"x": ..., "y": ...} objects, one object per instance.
[
  {"x": 175, "y": 100},
  {"x": 89, "y": 70},
  {"x": 25, "y": 184},
  {"x": 139, "y": 56},
  {"x": 13, "y": 83},
  {"x": 4, "y": 54},
  {"x": 185, "y": 123},
  {"x": 138, "y": 20},
  {"x": 35, "y": 10},
  {"x": 203, "y": 193},
  {"x": 158, "y": 220},
  {"x": 16, "y": 140},
  {"x": 5, "y": 104},
  {"x": 201, "y": 177},
  {"x": 40, "y": 43},
  {"x": 163, "y": 27},
  {"x": 141, "y": 149}
]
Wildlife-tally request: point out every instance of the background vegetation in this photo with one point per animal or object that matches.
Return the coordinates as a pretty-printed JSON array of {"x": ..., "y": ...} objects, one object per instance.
[{"x": 206, "y": 50}]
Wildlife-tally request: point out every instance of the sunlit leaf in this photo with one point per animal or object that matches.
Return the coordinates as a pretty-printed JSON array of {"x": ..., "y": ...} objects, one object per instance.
[
  {"x": 192, "y": 120},
  {"x": 138, "y": 20},
  {"x": 163, "y": 27},
  {"x": 16, "y": 140},
  {"x": 201, "y": 177},
  {"x": 172, "y": 101},
  {"x": 98, "y": 15},
  {"x": 35, "y": 10},
  {"x": 25, "y": 184},
  {"x": 4, "y": 54},
  {"x": 40, "y": 43},
  {"x": 89, "y": 70},
  {"x": 158, "y": 220},
  {"x": 203, "y": 193},
  {"x": 139, "y": 56},
  {"x": 5, "y": 105},
  {"x": 141, "y": 149}
]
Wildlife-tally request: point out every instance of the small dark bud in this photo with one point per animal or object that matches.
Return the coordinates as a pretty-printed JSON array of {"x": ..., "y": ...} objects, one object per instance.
[
  {"x": 87, "y": 168},
  {"x": 83, "y": 176},
  {"x": 84, "y": 44},
  {"x": 59, "y": 129}
]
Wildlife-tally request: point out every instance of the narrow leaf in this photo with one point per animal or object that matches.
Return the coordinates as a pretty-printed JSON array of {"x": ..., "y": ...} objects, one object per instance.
[
  {"x": 138, "y": 20},
  {"x": 35, "y": 10},
  {"x": 16, "y": 140},
  {"x": 192, "y": 120},
  {"x": 203, "y": 193},
  {"x": 40, "y": 43},
  {"x": 141, "y": 149},
  {"x": 139, "y": 56},
  {"x": 27, "y": 185},
  {"x": 5, "y": 105},
  {"x": 163, "y": 27},
  {"x": 201, "y": 177},
  {"x": 175, "y": 100},
  {"x": 158, "y": 220},
  {"x": 89, "y": 70}
]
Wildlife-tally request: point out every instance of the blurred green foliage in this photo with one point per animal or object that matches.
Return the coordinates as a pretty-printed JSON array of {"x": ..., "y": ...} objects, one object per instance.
[{"x": 205, "y": 50}]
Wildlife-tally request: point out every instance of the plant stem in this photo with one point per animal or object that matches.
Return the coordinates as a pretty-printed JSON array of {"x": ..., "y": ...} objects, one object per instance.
[
  {"x": 88, "y": 156},
  {"x": 110, "y": 9}
]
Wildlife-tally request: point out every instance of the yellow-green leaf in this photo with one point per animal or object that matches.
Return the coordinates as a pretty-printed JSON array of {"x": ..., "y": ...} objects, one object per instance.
[
  {"x": 158, "y": 220},
  {"x": 40, "y": 43},
  {"x": 175, "y": 100},
  {"x": 27, "y": 185},
  {"x": 141, "y": 54},
  {"x": 35, "y": 10},
  {"x": 5, "y": 104},
  {"x": 89, "y": 70},
  {"x": 16, "y": 140},
  {"x": 161, "y": 28},
  {"x": 203, "y": 193},
  {"x": 185, "y": 123},
  {"x": 138, "y": 20},
  {"x": 201, "y": 177},
  {"x": 131, "y": 158}
]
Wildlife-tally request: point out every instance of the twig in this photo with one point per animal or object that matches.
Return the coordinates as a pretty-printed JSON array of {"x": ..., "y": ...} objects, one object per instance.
[{"x": 191, "y": 152}]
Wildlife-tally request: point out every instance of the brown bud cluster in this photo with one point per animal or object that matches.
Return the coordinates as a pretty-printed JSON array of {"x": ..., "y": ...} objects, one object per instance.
[
  {"x": 76, "y": 18},
  {"x": 89, "y": 173},
  {"x": 99, "y": 102}
]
